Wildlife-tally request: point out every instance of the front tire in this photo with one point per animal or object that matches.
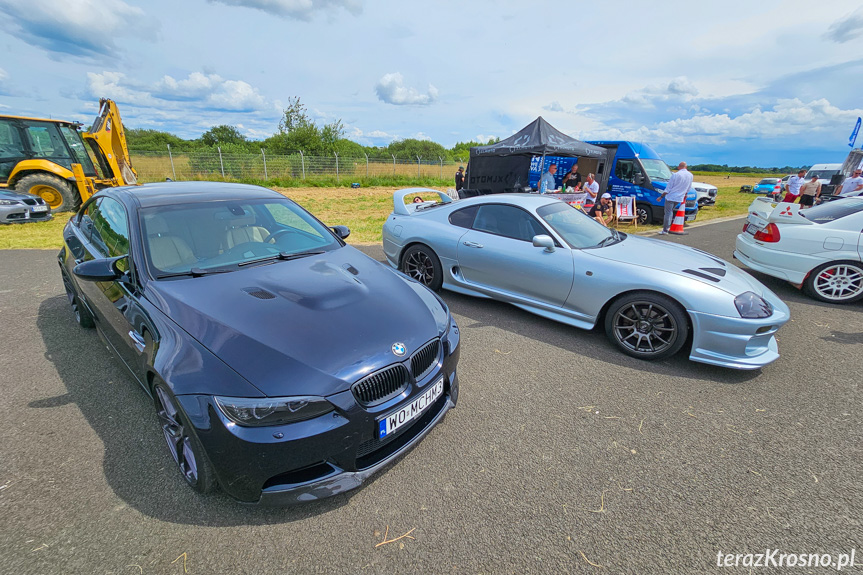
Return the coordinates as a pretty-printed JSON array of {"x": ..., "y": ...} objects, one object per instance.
[
  {"x": 56, "y": 192},
  {"x": 187, "y": 451},
  {"x": 82, "y": 315},
  {"x": 647, "y": 325},
  {"x": 644, "y": 213},
  {"x": 422, "y": 264},
  {"x": 836, "y": 282}
]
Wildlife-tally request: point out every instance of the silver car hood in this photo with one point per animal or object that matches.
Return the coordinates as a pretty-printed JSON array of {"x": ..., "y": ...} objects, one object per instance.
[{"x": 683, "y": 261}]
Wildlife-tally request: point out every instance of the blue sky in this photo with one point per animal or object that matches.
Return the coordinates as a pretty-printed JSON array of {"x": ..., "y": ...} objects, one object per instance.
[{"x": 739, "y": 82}]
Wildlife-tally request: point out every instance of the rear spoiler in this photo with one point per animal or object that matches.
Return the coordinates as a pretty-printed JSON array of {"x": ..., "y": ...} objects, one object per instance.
[
  {"x": 782, "y": 212},
  {"x": 403, "y": 209}
]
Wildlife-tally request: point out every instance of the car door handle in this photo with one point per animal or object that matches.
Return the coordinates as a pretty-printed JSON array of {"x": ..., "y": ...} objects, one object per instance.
[
  {"x": 472, "y": 244},
  {"x": 137, "y": 340}
]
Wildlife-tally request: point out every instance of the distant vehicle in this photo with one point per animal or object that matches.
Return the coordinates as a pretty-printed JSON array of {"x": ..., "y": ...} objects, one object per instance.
[
  {"x": 765, "y": 186},
  {"x": 546, "y": 257},
  {"x": 817, "y": 249},
  {"x": 783, "y": 183},
  {"x": 825, "y": 174},
  {"x": 284, "y": 365},
  {"x": 706, "y": 193},
  {"x": 20, "y": 208},
  {"x": 746, "y": 189}
]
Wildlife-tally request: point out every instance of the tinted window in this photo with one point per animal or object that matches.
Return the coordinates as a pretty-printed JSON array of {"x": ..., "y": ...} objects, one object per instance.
[
  {"x": 625, "y": 170},
  {"x": 832, "y": 211},
  {"x": 109, "y": 233},
  {"x": 768, "y": 181},
  {"x": 463, "y": 218},
  {"x": 11, "y": 149},
  {"x": 507, "y": 221}
]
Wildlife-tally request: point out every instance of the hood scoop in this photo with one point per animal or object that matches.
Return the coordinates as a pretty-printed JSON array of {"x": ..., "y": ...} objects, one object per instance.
[
  {"x": 709, "y": 274},
  {"x": 259, "y": 293}
]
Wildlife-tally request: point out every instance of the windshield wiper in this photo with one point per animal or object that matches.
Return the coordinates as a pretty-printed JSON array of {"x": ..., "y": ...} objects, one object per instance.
[
  {"x": 605, "y": 242},
  {"x": 283, "y": 256},
  {"x": 195, "y": 273}
]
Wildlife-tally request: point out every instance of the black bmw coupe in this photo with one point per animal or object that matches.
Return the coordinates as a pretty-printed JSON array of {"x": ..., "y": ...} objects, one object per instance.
[{"x": 284, "y": 365}]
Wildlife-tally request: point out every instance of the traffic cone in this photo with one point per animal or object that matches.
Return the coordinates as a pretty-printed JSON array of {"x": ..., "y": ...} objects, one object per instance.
[{"x": 679, "y": 218}]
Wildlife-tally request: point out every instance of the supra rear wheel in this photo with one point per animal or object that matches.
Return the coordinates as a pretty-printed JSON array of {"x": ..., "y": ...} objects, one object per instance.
[
  {"x": 422, "y": 264},
  {"x": 184, "y": 446},
  {"x": 836, "y": 282},
  {"x": 56, "y": 192},
  {"x": 647, "y": 325},
  {"x": 82, "y": 316}
]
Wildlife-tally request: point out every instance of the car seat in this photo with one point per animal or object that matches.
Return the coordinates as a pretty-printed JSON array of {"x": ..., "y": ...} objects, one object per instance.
[
  {"x": 167, "y": 251},
  {"x": 243, "y": 230}
]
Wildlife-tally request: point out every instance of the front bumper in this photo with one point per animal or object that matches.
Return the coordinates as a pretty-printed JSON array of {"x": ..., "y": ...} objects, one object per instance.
[
  {"x": 22, "y": 214},
  {"x": 321, "y": 457},
  {"x": 738, "y": 343}
]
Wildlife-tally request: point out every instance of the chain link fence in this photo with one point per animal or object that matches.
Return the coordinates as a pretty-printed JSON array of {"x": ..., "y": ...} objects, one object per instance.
[{"x": 208, "y": 165}]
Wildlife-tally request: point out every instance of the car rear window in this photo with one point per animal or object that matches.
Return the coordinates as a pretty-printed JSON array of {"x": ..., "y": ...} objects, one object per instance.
[
  {"x": 768, "y": 181},
  {"x": 832, "y": 211},
  {"x": 463, "y": 218}
]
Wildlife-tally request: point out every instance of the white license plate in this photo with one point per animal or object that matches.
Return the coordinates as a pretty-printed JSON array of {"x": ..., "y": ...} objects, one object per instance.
[
  {"x": 689, "y": 218},
  {"x": 40, "y": 208},
  {"x": 390, "y": 423}
]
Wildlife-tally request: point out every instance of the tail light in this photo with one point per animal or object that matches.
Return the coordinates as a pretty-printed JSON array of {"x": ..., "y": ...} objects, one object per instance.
[{"x": 770, "y": 234}]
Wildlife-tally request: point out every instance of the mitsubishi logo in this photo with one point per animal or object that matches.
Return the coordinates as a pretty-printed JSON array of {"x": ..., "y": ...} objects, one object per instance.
[{"x": 786, "y": 211}]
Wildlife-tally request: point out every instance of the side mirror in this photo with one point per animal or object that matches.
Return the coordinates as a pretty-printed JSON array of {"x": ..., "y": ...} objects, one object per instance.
[
  {"x": 544, "y": 241},
  {"x": 102, "y": 270},
  {"x": 341, "y": 231}
]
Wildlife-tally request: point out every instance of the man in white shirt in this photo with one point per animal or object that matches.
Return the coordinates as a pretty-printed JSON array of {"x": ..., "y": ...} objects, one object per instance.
[
  {"x": 675, "y": 192},
  {"x": 546, "y": 183},
  {"x": 792, "y": 191},
  {"x": 853, "y": 185},
  {"x": 592, "y": 188}
]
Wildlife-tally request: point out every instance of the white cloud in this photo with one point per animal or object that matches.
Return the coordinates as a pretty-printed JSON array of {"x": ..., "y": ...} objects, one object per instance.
[
  {"x": 553, "y": 107},
  {"x": 3, "y": 74},
  {"x": 391, "y": 89},
  {"x": 679, "y": 88},
  {"x": 77, "y": 27},
  {"x": 296, "y": 9},
  {"x": 847, "y": 28}
]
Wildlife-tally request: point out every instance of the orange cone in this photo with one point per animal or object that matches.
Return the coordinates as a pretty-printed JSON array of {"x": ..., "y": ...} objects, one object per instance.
[{"x": 679, "y": 218}]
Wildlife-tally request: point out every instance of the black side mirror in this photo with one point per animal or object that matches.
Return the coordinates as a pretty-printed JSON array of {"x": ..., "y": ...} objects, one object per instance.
[
  {"x": 101, "y": 270},
  {"x": 341, "y": 231}
]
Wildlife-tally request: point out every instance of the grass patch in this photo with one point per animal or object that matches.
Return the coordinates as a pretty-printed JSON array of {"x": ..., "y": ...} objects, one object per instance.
[{"x": 34, "y": 235}]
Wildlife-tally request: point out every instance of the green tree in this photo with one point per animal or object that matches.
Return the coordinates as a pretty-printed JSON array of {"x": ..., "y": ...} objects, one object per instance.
[
  {"x": 220, "y": 135},
  {"x": 411, "y": 148}
]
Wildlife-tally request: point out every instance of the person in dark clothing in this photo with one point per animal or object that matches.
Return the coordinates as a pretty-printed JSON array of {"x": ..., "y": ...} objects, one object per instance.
[
  {"x": 572, "y": 177},
  {"x": 601, "y": 210},
  {"x": 459, "y": 178}
]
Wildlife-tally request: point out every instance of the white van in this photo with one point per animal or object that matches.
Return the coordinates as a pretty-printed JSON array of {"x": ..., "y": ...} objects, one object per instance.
[{"x": 824, "y": 172}]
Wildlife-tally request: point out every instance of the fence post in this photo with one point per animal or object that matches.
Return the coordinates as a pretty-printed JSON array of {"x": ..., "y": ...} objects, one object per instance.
[
  {"x": 394, "y": 163},
  {"x": 221, "y": 164},
  {"x": 441, "y": 166},
  {"x": 263, "y": 155},
  {"x": 418, "y": 166},
  {"x": 303, "y": 163},
  {"x": 367, "y": 164},
  {"x": 173, "y": 171},
  {"x": 337, "y": 166}
]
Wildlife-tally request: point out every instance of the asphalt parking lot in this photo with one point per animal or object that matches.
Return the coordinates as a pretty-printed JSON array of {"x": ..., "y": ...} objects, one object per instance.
[{"x": 563, "y": 456}]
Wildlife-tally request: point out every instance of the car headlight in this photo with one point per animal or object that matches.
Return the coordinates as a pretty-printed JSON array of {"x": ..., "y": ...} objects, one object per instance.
[
  {"x": 753, "y": 306},
  {"x": 9, "y": 202},
  {"x": 258, "y": 412}
]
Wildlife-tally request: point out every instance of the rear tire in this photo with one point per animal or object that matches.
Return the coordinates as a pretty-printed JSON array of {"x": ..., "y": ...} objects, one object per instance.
[
  {"x": 56, "y": 192},
  {"x": 422, "y": 264},
  {"x": 835, "y": 282},
  {"x": 647, "y": 325}
]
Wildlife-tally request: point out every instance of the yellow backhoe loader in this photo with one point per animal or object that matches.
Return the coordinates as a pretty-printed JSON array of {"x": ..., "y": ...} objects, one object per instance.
[{"x": 53, "y": 159}]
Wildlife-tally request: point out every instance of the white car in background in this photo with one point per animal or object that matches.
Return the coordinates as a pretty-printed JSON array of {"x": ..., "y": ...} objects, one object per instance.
[
  {"x": 819, "y": 249},
  {"x": 706, "y": 193}
]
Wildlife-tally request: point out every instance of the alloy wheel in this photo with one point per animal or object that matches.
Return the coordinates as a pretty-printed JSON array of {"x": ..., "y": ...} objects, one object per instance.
[
  {"x": 645, "y": 328},
  {"x": 839, "y": 282},
  {"x": 420, "y": 267},
  {"x": 179, "y": 442}
]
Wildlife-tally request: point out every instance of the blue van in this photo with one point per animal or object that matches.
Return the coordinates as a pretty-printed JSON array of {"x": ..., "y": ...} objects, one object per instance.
[{"x": 637, "y": 170}]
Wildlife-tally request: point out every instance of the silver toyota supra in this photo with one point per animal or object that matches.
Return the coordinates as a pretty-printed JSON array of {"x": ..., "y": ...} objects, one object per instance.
[{"x": 540, "y": 254}]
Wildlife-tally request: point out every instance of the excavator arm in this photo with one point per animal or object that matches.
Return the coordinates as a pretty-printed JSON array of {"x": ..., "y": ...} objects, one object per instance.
[{"x": 110, "y": 140}]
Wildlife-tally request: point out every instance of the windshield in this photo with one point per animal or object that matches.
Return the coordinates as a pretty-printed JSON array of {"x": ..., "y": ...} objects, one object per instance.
[
  {"x": 574, "y": 226},
  {"x": 834, "y": 210},
  {"x": 656, "y": 170},
  {"x": 204, "y": 237},
  {"x": 821, "y": 174},
  {"x": 766, "y": 181},
  {"x": 79, "y": 151}
]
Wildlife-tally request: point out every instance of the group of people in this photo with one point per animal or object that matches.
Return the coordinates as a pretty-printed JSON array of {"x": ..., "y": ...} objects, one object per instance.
[
  {"x": 572, "y": 179},
  {"x": 808, "y": 191}
]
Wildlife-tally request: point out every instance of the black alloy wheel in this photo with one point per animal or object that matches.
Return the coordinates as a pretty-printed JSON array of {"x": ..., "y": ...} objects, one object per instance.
[
  {"x": 647, "y": 325},
  {"x": 421, "y": 263},
  {"x": 184, "y": 446}
]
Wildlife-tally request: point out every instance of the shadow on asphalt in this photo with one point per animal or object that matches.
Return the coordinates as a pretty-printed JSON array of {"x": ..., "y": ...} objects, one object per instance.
[{"x": 137, "y": 464}]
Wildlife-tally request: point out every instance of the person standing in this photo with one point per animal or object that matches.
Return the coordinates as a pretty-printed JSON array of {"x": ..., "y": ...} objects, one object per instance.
[
  {"x": 591, "y": 187},
  {"x": 675, "y": 192},
  {"x": 809, "y": 191},
  {"x": 459, "y": 178},
  {"x": 546, "y": 183},
  {"x": 853, "y": 185},
  {"x": 572, "y": 177},
  {"x": 792, "y": 190}
]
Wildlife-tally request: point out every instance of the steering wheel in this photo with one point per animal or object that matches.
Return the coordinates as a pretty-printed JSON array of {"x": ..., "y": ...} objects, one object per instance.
[{"x": 276, "y": 234}]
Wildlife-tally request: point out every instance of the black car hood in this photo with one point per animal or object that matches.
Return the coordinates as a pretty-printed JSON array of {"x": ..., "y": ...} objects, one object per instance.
[{"x": 310, "y": 326}]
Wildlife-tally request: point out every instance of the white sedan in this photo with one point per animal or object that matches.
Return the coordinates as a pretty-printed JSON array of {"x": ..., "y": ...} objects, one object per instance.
[{"x": 819, "y": 249}]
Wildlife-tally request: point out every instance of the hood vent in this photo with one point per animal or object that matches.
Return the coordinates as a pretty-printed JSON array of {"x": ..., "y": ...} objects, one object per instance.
[
  {"x": 259, "y": 293},
  {"x": 701, "y": 275},
  {"x": 715, "y": 271}
]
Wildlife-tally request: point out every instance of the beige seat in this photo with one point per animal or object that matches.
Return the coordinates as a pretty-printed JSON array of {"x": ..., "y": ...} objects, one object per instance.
[
  {"x": 167, "y": 251},
  {"x": 243, "y": 229}
]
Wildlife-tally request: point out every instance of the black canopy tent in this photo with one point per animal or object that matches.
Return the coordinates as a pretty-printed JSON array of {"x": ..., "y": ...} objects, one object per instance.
[{"x": 505, "y": 166}]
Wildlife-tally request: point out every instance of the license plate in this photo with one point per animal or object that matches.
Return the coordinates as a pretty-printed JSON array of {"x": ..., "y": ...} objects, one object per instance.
[
  {"x": 689, "y": 218},
  {"x": 390, "y": 423},
  {"x": 40, "y": 209}
]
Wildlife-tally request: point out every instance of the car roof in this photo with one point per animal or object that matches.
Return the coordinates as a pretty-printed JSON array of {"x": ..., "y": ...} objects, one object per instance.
[
  {"x": 525, "y": 200},
  {"x": 170, "y": 193}
]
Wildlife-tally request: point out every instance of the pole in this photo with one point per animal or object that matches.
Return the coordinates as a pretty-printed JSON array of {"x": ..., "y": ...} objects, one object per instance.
[
  {"x": 303, "y": 162},
  {"x": 367, "y": 164},
  {"x": 221, "y": 164},
  {"x": 337, "y": 167},
  {"x": 173, "y": 171},
  {"x": 418, "y": 166},
  {"x": 264, "y": 156},
  {"x": 441, "y": 166},
  {"x": 394, "y": 163}
]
